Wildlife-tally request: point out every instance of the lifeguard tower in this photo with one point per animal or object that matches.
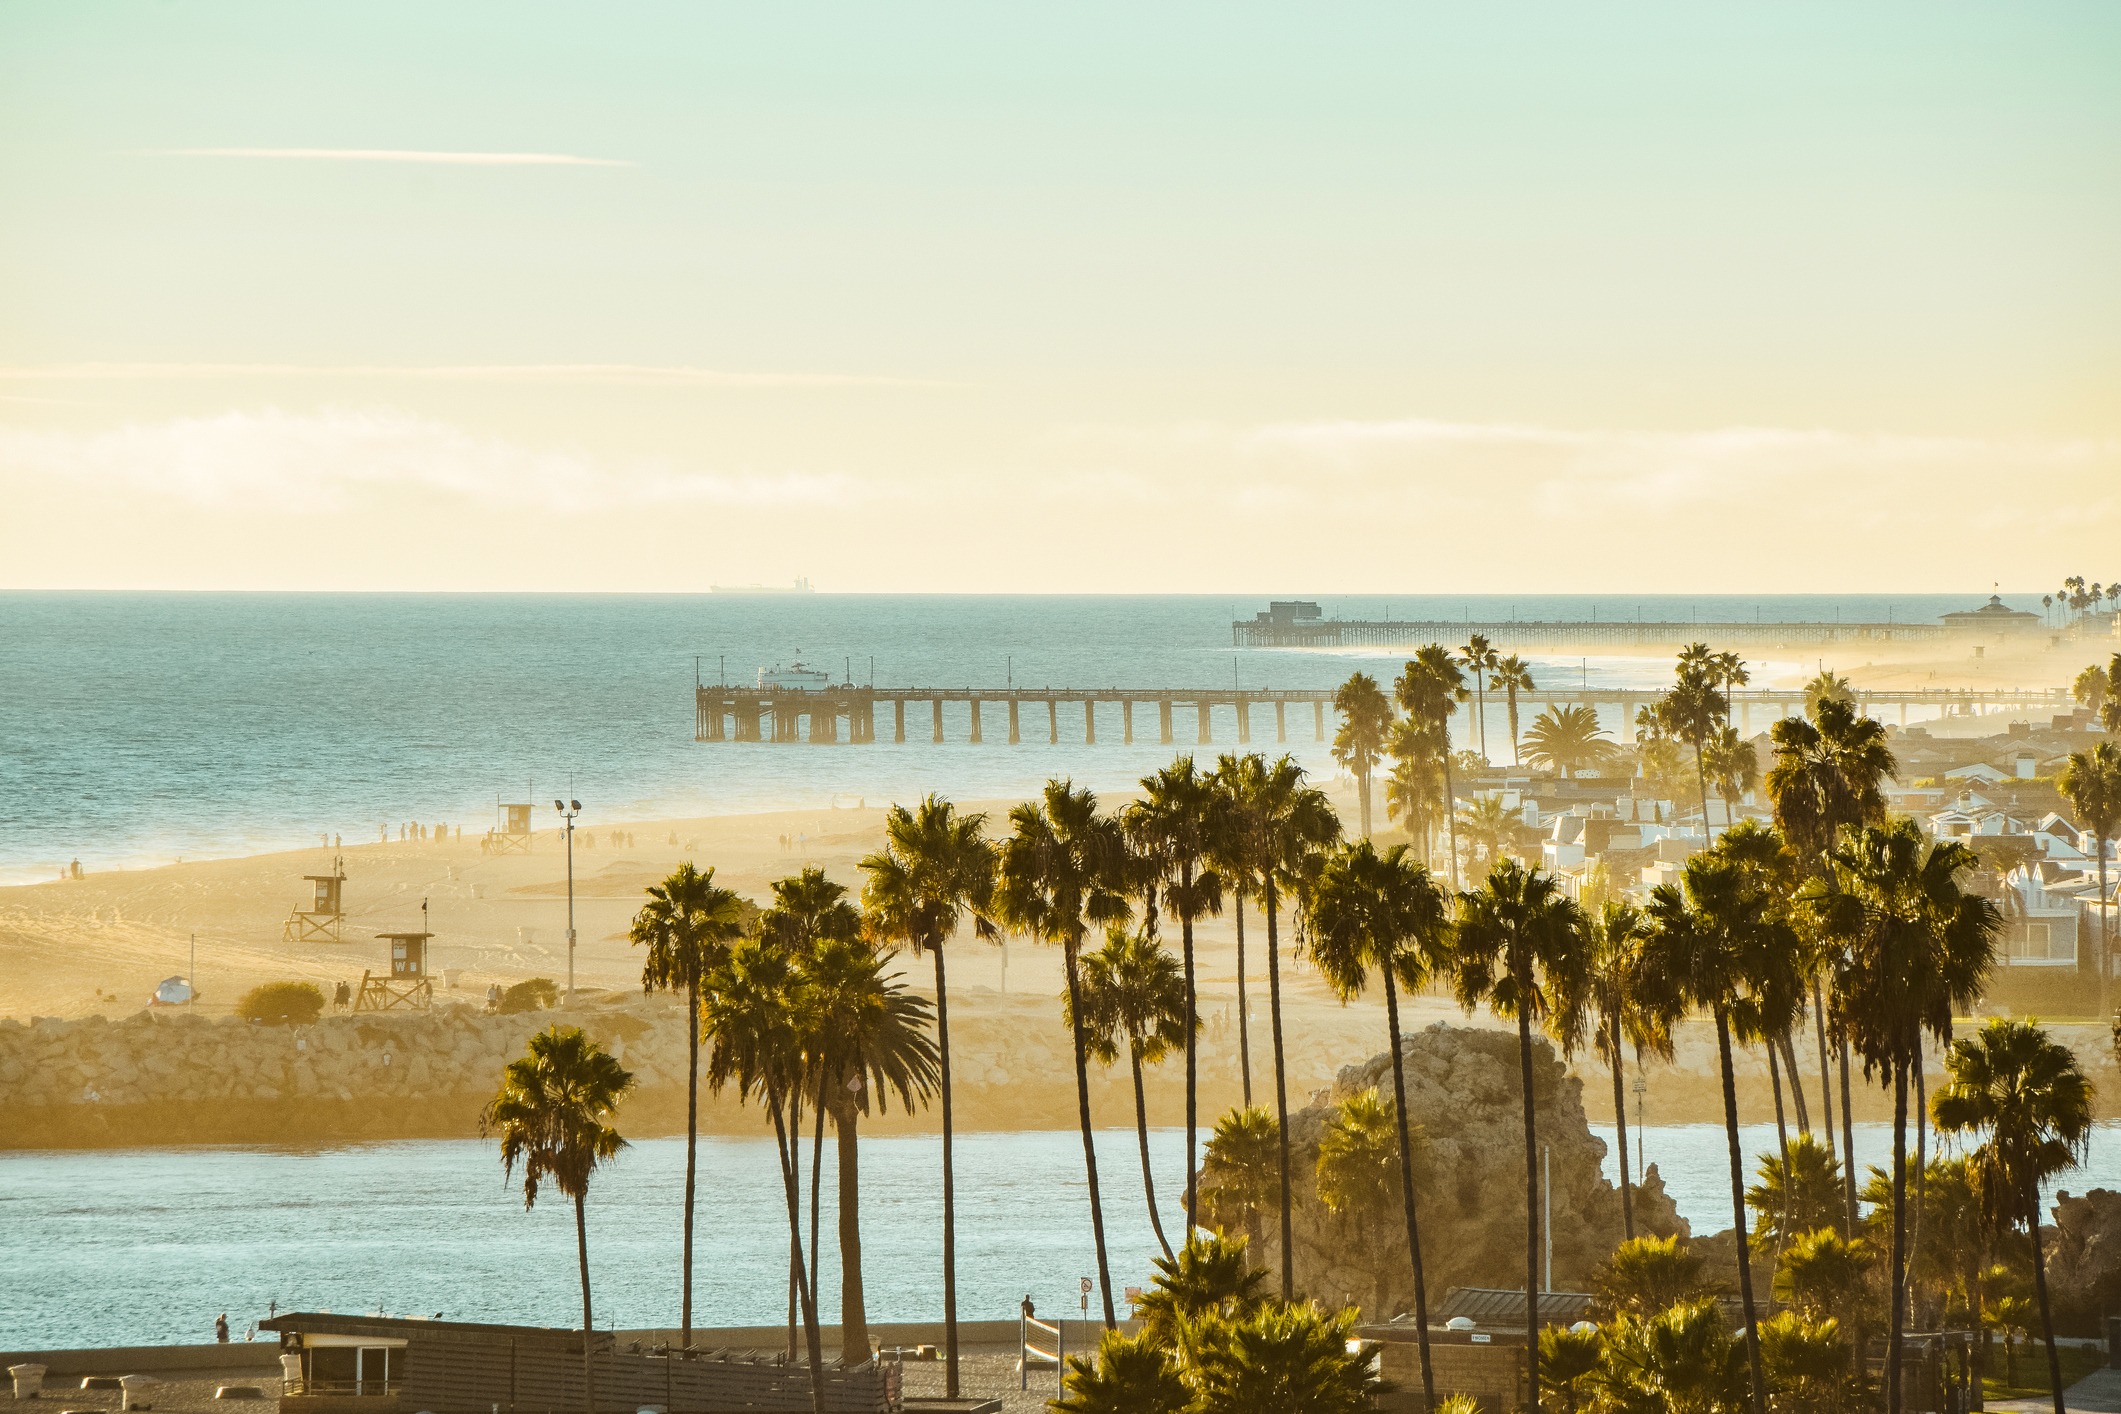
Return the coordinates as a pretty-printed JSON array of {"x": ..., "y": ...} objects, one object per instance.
[
  {"x": 325, "y": 919},
  {"x": 406, "y": 984},
  {"x": 511, "y": 833}
]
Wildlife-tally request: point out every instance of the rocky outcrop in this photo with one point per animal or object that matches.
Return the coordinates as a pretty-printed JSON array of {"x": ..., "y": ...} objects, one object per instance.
[{"x": 1464, "y": 1090}]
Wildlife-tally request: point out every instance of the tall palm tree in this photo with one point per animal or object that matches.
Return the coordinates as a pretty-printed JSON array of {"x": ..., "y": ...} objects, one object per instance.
[
  {"x": 759, "y": 1014},
  {"x": 2110, "y": 713},
  {"x": 1241, "y": 1169},
  {"x": 869, "y": 1041},
  {"x": 1174, "y": 827},
  {"x": 1366, "y": 719},
  {"x": 1480, "y": 656},
  {"x": 2091, "y": 687},
  {"x": 1734, "y": 769},
  {"x": 1567, "y": 738},
  {"x": 1134, "y": 996},
  {"x": 1829, "y": 775},
  {"x": 1517, "y": 948},
  {"x": 1692, "y": 710},
  {"x": 1063, "y": 871},
  {"x": 1614, "y": 1001},
  {"x": 1717, "y": 944},
  {"x": 2023, "y": 1093},
  {"x": 1278, "y": 827},
  {"x": 1913, "y": 947},
  {"x": 935, "y": 871},
  {"x": 1226, "y": 853},
  {"x": 687, "y": 926},
  {"x": 1727, "y": 671},
  {"x": 1429, "y": 690},
  {"x": 2092, "y": 781},
  {"x": 552, "y": 1115},
  {"x": 1414, "y": 791},
  {"x": 1511, "y": 676},
  {"x": 1383, "y": 913}
]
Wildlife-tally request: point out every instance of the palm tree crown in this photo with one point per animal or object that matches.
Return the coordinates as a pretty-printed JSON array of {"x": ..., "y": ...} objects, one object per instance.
[
  {"x": 1512, "y": 675},
  {"x": 1366, "y": 719},
  {"x": 1567, "y": 739}
]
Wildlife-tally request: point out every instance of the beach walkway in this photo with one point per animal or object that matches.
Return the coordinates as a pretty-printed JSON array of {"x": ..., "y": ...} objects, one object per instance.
[{"x": 2097, "y": 1393}]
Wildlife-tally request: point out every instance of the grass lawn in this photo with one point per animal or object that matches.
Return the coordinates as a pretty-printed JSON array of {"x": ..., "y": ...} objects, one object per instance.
[{"x": 2077, "y": 1362}]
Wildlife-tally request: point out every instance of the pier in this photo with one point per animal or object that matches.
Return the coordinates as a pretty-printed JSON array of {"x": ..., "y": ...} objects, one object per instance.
[
  {"x": 1287, "y": 631},
  {"x": 855, "y": 715}
]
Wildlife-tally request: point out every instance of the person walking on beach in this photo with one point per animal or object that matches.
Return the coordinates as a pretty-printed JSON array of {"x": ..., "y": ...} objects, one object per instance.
[
  {"x": 341, "y": 995},
  {"x": 221, "y": 1328}
]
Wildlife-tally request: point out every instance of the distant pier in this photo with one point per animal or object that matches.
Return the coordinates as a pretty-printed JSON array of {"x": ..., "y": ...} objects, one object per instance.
[
  {"x": 852, "y": 714},
  {"x": 1293, "y": 632}
]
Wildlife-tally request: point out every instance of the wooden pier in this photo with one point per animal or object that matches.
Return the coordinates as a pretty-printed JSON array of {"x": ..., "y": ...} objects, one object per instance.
[
  {"x": 1283, "y": 631},
  {"x": 849, "y": 714}
]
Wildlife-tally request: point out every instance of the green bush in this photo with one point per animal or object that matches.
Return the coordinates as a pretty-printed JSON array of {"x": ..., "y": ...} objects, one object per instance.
[
  {"x": 535, "y": 995},
  {"x": 282, "y": 1004}
]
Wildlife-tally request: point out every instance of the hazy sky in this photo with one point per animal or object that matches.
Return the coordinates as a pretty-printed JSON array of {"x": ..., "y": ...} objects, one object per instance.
[{"x": 1060, "y": 297}]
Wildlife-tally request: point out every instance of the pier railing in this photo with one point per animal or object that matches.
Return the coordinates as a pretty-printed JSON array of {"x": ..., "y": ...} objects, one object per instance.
[{"x": 1564, "y": 633}]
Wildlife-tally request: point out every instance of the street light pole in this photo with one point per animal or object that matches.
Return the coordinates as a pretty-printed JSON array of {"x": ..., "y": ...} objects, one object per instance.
[{"x": 568, "y": 810}]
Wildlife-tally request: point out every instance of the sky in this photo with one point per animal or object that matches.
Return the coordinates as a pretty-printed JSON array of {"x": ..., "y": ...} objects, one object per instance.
[{"x": 1090, "y": 297}]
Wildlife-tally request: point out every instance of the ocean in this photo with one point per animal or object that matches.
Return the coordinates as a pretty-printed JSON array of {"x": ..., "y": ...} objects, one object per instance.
[{"x": 138, "y": 728}]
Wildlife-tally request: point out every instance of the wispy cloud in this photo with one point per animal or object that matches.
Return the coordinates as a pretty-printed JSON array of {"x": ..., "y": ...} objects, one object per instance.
[
  {"x": 305, "y": 462},
  {"x": 669, "y": 375},
  {"x": 394, "y": 154}
]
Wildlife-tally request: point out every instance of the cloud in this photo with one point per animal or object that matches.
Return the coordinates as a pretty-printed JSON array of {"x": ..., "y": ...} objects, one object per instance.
[
  {"x": 648, "y": 374},
  {"x": 387, "y": 154},
  {"x": 325, "y": 461}
]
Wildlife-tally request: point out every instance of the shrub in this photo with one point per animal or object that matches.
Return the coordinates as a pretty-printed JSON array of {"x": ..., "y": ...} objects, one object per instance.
[
  {"x": 282, "y": 1004},
  {"x": 535, "y": 995}
]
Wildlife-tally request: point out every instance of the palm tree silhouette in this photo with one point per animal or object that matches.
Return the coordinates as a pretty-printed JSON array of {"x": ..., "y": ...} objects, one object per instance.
[
  {"x": 1383, "y": 913},
  {"x": 1414, "y": 791},
  {"x": 1517, "y": 948},
  {"x": 1226, "y": 851},
  {"x": 1278, "y": 826},
  {"x": 1615, "y": 1002},
  {"x": 2092, "y": 782},
  {"x": 1913, "y": 946},
  {"x": 1241, "y": 1169},
  {"x": 2024, "y": 1094},
  {"x": 552, "y": 1116},
  {"x": 1134, "y": 997},
  {"x": 1480, "y": 656},
  {"x": 935, "y": 871},
  {"x": 687, "y": 927},
  {"x": 1174, "y": 829},
  {"x": 1366, "y": 719},
  {"x": 1063, "y": 871},
  {"x": 1511, "y": 676},
  {"x": 1359, "y": 1174},
  {"x": 1567, "y": 738},
  {"x": 1692, "y": 711},
  {"x": 1429, "y": 690}
]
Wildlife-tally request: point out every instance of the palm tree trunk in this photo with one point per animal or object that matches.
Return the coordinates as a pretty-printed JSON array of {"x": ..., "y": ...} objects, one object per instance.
[
  {"x": 1708, "y": 831},
  {"x": 1244, "y": 1024},
  {"x": 1826, "y": 1069},
  {"x": 1782, "y": 1146},
  {"x": 942, "y": 1047},
  {"x": 1450, "y": 810},
  {"x": 1620, "y": 1126},
  {"x": 1362, "y": 789},
  {"x": 1745, "y": 1258},
  {"x": 692, "y": 1143},
  {"x": 1848, "y": 1138},
  {"x": 1921, "y": 1182},
  {"x": 1082, "y": 1109},
  {"x": 1141, "y": 1134},
  {"x": 817, "y": 1175},
  {"x": 589, "y": 1325},
  {"x": 1406, "y": 1193},
  {"x": 2106, "y": 946},
  {"x": 1531, "y": 1204},
  {"x": 1789, "y": 1066},
  {"x": 1185, "y": 943},
  {"x": 1898, "y": 1273},
  {"x": 854, "y": 1308},
  {"x": 1281, "y": 1096},
  {"x": 1515, "y": 759},
  {"x": 788, "y": 1137},
  {"x": 2047, "y": 1321}
]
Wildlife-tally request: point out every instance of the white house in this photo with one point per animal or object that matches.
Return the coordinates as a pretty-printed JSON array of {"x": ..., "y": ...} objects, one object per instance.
[{"x": 2039, "y": 927}]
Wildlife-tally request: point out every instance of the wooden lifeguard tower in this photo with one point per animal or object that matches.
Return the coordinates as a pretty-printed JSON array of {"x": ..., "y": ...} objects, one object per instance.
[
  {"x": 511, "y": 833},
  {"x": 324, "y": 920},
  {"x": 407, "y": 983}
]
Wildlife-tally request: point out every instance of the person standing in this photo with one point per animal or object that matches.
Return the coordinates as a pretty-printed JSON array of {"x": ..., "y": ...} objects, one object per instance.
[{"x": 221, "y": 1328}]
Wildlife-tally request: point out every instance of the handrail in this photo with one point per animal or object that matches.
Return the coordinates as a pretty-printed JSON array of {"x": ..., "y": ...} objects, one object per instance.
[{"x": 1026, "y": 1352}]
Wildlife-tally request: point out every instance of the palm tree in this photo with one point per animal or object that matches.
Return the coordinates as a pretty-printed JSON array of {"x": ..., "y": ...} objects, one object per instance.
[
  {"x": 1727, "y": 670},
  {"x": 2024, "y": 1094},
  {"x": 552, "y": 1114},
  {"x": 1212, "y": 1277},
  {"x": 1692, "y": 710},
  {"x": 1414, "y": 791},
  {"x": 1175, "y": 826},
  {"x": 1134, "y": 994},
  {"x": 1512, "y": 675},
  {"x": 687, "y": 926},
  {"x": 1129, "y": 1375},
  {"x": 869, "y": 1041},
  {"x": 1914, "y": 946},
  {"x": 1240, "y": 1172},
  {"x": 1226, "y": 852},
  {"x": 1569, "y": 1358},
  {"x": 1734, "y": 769},
  {"x": 2092, "y": 781},
  {"x": 1480, "y": 656},
  {"x": 1681, "y": 1359},
  {"x": 2110, "y": 714},
  {"x": 1717, "y": 944},
  {"x": 1646, "y": 1275},
  {"x": 1279, "y": 826},
  {"x": 758, "y": 1012},
  {"x": 1429, "y": 690},
  {"x": 1613, "y": 1000},
  {"x": 1358, "y": 1173},
  {"x": 1489, "y": 830},
  {"x": 1827, "y": 687},
  {"x": 1283, "y": 1358},
  {"x": 1567, "y": 738},
  {"x": 1796, "y": 1194},
  {"x": 1063, "y": 871},
  {"x": 1518, "y": 947},
  {"x": 2091, "y": 687},
  {"x": 936, "y": 870},
  {"x": 1383, "y": 913},
  {"x": 1366, "y": 718}
]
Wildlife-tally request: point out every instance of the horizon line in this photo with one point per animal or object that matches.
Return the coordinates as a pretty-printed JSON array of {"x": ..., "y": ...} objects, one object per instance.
[{"x": 397, "y": 154}]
